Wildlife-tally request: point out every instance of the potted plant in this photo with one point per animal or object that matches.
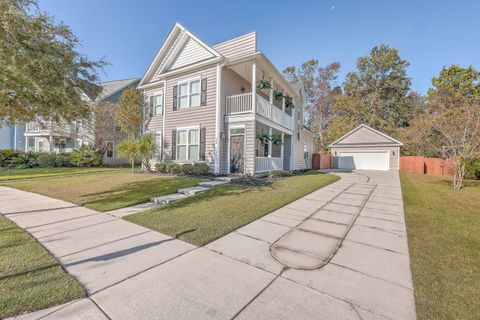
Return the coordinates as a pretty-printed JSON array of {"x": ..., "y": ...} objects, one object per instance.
[
  {"x": 289, "y": 103},
  {"x": 264, "y": 84},
  {"x": 278, "y": 95}
]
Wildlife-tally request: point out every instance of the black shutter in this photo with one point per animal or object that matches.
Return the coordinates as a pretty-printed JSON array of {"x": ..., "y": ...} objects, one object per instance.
[
  {"x": 174, "y": 144},
  {"x": 203, "y": 94},
  {"x": 175, "y": 95},
  {"x": 201, "y": 154},
  {"x": 151, "y": 107}
]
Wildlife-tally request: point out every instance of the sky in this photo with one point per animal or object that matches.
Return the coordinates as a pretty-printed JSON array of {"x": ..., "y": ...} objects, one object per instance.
[{"x": 428, "y": 34}]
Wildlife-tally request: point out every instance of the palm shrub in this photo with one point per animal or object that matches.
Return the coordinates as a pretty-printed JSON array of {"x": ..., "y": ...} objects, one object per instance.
[
  {"x": 6, "y": 155},
  {"x": 147, "y": 149},
  {"x": 86, "y": 156},
  {"x": 24, "y": 160},
  {"x": 128, "y": 149}
]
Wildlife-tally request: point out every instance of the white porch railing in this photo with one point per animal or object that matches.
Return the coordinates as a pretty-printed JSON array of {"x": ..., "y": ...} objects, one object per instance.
[
  {"x": 266, "y": 164},
  {"x": 48, "y": 127},
  {"x": 242, "y": 103}
]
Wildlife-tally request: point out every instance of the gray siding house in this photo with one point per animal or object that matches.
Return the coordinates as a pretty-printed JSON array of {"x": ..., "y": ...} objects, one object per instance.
[
  {"x": 12, "y": 137},
  {"x": 205, "y": 103}
]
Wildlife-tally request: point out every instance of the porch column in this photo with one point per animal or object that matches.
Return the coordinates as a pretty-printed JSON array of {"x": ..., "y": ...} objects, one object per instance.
[
  {"x": 26, "y": 144},
  {"x": 271, "y": 91},
  {"x": 270, "y": 142},
  {"x": 254, "y": 87},
  {"x": 50, "y": 143},
  {"x": 281, "y": 147}
]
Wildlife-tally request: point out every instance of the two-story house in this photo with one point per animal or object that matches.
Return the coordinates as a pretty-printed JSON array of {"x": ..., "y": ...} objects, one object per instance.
[{"x": 226, "y": 105}]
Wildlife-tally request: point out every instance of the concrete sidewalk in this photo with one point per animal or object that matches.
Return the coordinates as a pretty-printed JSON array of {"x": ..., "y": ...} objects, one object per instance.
[{"x": 133, "y": 273}]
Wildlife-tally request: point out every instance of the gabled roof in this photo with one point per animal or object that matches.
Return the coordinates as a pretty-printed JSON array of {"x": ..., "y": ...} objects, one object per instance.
[
  {"x": 349, "y": 140},
  {"x": 111, "y": 87},
  {"x": 178, "y": 37}
]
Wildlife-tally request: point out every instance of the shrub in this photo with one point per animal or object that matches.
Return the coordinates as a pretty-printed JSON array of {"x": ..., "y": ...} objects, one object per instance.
[
  {"x": 86, "y": 156},
  {"x": 47, "y": 160},
  {"x": 472, "y": 169},
  {"x": 161, "y": 167},
  {"x": 24, "y": 160},
  {"x": 174, "y": 168},
  {"x": 188, "y": 168},
  {"x": 200, "y": 169},
  {"x": 6, "y": 156},
  {"x": 63, "y": 160},
  {"x": 279, "y": 173}
]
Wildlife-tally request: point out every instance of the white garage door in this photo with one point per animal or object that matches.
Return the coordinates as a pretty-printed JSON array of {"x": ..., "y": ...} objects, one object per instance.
[{"x": 364, "y": 160}]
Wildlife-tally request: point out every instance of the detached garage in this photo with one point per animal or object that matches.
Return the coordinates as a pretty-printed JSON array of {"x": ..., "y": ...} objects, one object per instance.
[{"x": 365, "y": 148}]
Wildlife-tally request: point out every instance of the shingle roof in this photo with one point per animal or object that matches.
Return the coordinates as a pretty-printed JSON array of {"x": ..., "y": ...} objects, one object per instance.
[{"x": 111, "y": 87}]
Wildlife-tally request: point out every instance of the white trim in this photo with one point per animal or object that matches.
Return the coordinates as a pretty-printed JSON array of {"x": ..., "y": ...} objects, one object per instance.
[
  {"x": 238, "y": 126},
  {"x": 218, "y": 102},
  {"x": 366, "y": 151},
  {"x": 164, "y": 112},
  {"x": 240, "y": 118},
  {"x": 362, "y": 144}
]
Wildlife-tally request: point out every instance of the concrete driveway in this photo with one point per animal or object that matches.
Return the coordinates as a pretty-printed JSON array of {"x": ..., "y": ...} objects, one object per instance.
[{"x": 339, "y": 253}]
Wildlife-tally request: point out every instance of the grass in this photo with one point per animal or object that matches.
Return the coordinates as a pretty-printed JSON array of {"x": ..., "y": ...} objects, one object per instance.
[
  {"x": 444, "y": 240},
  {"x": 218, "y": 211},
  {"x": 30, "y": 278},
  {"x": 101, "y": 189}
]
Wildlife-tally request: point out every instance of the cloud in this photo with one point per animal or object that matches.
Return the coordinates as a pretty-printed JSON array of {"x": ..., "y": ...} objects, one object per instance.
[{"x": 332, "y": 8}]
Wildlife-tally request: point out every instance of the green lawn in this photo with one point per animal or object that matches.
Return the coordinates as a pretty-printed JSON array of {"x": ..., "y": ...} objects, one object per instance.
[
  {"x": 216, "y": 212},
  {"x": 101, "y": 189},
  {"x": 30, "y": 278},
  {"x": 444, "y": 241}
]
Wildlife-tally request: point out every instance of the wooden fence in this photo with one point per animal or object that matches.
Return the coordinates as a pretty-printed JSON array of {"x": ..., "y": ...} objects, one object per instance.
[
  {"x": 431, "y": 166},
  {"x": 321, "y": 161}
]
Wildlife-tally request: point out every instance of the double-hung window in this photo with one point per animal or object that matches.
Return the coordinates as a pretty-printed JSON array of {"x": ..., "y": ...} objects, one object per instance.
[
  {"x": 189, "y": 94},
  {"x": 188, "y": 144},
  {"x": 158, "y": 103}
]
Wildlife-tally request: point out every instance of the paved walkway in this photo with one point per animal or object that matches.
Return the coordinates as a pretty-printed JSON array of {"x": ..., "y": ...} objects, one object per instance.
[{"x": 339, "y": 253}]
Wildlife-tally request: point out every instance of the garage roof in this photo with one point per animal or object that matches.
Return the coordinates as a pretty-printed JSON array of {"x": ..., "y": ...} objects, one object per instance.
[{"x": 363, "y": 135}]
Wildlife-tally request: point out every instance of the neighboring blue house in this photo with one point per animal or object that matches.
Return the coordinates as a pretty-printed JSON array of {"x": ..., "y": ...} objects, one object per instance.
[
  {"x": 44, "y": 136},
  {"x": 12, "y": 137}
]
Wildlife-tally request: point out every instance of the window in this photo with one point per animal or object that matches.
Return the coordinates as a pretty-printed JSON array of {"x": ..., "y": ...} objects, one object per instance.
[
  {"x": 306, "y": 155},
  {"x": 158, "y": 103},
  {"x": 188, "y": 141},
  {"x": 41, "y": 146},
  {"x": 189, "y": 94},
  {"x": 158, "y": 144},
  {"x": 109, "y": 149}
]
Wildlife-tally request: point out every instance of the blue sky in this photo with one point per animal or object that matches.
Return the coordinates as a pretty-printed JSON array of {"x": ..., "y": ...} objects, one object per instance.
[{"x": 429, "y": 34}]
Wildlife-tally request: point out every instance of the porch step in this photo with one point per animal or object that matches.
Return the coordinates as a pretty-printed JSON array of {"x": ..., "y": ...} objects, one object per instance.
[
  {"x": 191, "y": 191},
  {"x": 227, "y": 179},
  {"x": 168, "y": 198},
  {"x": 211, "y": 183}
]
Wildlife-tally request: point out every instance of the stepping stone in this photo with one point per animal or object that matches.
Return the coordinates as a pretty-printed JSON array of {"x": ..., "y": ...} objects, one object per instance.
[
  {"x": 168, "y": 198},
  {"x": 226, "y": 179},
  {"x": 211, "y": 184},
  {"x": 192, "y": 191},
  {"x": 132, "y": 209}
]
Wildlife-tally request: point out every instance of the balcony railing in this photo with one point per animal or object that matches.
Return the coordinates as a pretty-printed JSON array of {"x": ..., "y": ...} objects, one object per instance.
[
  {"x": 48, "y": 127},
  {"x": 266, "y": 164},
  {"x": 242, "y": 103}
]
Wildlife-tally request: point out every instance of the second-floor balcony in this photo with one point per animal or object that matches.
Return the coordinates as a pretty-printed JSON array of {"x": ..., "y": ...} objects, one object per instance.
[
  {"x": 47, "y": 128},
  {"x": 243, "y": 104}
]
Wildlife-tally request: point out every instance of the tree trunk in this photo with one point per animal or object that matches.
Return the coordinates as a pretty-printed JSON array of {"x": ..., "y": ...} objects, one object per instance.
[{"x": 133, "y": 166}]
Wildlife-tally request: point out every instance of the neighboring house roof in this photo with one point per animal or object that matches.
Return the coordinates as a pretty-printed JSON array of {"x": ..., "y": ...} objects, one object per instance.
[
  {"x": 111, "y": 87},
  {"x": 364, "y": 135}
]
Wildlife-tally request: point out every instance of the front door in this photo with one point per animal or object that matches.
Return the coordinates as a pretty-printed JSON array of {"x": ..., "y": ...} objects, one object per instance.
[{"x": 237, "y": 161}]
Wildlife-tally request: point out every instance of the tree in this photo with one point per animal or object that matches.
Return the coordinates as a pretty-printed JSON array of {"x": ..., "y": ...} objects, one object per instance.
[
  {"x": 130, "y": 117},
  {"x": 139, "y": 150},
  {"x": 454, "y": 82},
  {"x": 128, "y": 149},
  {"x": 41, "y": 71},
  {"x": 377, "y": 94},
  {"x": 321, "y": 92},
  {"x": 105, "y": 124}
]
